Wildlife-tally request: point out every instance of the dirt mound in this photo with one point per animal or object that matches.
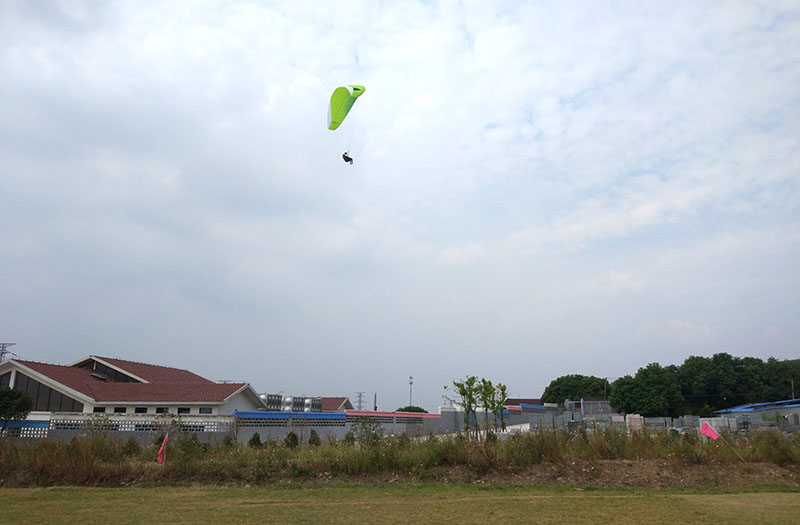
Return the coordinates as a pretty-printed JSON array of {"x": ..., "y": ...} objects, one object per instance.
[
  {"x": 640, "y": 473},
  {"x": 646, "y": 473}
]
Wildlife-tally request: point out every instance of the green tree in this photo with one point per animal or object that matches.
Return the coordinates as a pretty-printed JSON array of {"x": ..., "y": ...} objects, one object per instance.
[
  {"x": 468, "y": 391},
  {"x": 654, "y": 391},
  {"x": 501, "y": 394},
  {"x": 313, "y": 439},
  {"x": 574, "y": 387},
  {"x": 778, "y": 377},
  {"x": 15, "y": 405},
  {"x": 486, "y": 395},
  {"x": 723, "y": 381},
  {"x": 624, "y": 395},
  {"x": 412, "y": 408}
]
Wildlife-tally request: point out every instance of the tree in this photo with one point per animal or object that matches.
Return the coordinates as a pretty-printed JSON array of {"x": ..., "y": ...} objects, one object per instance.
[
  {"x": 574, "y": 387},
  {"x": 492, "y": 398},
  {"x": 486, "y": 395},
  {"x": 623, "y": 395},
  {"x": 500, "y": 396},
  {"x": 654, "y": 391},
  {"x": 723, "y": 381},
  {"x": 779, "y": 376},
  {"x": 15, "y": 405},
  {"x": 467, "y": 390},
  {"x": 412, "y": 408}
]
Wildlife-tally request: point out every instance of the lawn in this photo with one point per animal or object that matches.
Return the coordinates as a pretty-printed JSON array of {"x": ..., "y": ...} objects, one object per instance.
[{"x": 400, "y": 503}]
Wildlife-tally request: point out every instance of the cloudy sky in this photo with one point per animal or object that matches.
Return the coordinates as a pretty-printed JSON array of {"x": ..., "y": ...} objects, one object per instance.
[{"x": 539, "y": 188}]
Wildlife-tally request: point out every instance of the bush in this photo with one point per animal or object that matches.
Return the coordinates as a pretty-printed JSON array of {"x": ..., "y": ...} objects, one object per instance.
[
  {"x": 367, "y": 432},
  {"x": 104, "y": 461},
  {"x": 291, "y": 440},
  {"x": 313, "y": 439},
  {"x": 768, "y": 445},
  {"x": 255, "y": 441}
]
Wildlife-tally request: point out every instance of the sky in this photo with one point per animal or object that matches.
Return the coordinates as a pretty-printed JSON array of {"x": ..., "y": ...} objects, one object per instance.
[{"x": 539, "y": 189}]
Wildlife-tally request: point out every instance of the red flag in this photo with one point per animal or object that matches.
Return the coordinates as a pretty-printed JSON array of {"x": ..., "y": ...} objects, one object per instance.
[
  {"x": 162, "y": 452},
  {"x": 706, "y": 430}
]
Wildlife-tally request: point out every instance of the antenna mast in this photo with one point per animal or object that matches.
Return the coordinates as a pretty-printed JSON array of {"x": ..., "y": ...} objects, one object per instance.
[
  {"x": 5, "y": 351},
  {"x": 360, "y": 400}
]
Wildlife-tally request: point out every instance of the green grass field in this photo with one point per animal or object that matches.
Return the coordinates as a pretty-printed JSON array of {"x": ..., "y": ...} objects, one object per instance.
[{"x": 403, "y": 503}]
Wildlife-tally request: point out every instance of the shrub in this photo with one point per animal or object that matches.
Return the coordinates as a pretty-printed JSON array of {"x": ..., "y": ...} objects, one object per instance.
[
  {"x": 131, "y": 447},
  {"x": 313, "y": 439},
  {"x": 291, "y": 440},
  {"x": 367, "y": 432},
  {"x": 768, "y": 445},
  {"x": 255, "y": 441}
]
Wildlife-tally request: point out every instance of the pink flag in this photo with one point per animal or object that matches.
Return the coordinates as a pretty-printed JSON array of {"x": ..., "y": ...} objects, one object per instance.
[
  {"x": 162, "y": 452},
  {"x": 706, "y": 430}
]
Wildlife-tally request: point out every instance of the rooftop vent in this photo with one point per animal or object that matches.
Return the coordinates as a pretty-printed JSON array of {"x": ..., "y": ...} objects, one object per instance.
[{"x": 99, "y": 377}]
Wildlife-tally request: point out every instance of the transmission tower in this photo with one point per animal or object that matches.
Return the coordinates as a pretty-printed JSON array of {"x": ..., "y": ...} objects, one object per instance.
[
  {"x": 359, "y": 400},
  {"x": 4, "y": 351}
]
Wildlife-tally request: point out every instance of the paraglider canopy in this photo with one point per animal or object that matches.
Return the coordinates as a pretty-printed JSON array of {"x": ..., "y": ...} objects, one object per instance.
[{"x": 342, "y": 99}]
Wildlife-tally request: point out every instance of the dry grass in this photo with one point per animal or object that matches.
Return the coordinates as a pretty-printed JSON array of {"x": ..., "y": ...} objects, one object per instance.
[{"x": 102, "y": 461}]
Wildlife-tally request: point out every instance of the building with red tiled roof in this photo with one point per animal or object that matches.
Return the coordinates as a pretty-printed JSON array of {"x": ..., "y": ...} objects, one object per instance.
[
  {"x": 109, "y": 385},
  {"x": 336, "y": 404}
]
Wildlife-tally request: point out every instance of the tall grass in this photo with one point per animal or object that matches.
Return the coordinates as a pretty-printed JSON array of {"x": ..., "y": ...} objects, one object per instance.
[{"x": 103, "y": 461}]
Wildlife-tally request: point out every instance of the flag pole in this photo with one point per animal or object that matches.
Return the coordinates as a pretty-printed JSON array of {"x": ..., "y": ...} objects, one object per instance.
[{"x": 734, "y": 450}]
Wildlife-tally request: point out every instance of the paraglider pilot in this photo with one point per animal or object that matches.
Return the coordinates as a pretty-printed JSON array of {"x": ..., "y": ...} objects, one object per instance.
[{"x": 347, "y": 157}]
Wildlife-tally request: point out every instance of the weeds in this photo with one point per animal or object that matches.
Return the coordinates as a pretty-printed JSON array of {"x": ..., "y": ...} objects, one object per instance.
[{"x": 103, "y": 461}]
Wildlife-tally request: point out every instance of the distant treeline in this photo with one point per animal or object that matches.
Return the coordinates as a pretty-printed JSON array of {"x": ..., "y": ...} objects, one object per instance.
[{"x": 699, "y": 386}]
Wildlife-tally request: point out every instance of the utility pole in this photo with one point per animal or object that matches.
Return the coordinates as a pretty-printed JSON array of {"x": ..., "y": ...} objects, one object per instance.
[
  {"x": 360, "y": 400},
  {"x": 410, "y": 387},
  {"x": 4, "y": 351}
]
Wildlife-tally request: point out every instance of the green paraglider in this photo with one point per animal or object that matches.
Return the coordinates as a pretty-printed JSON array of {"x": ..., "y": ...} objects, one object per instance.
[{"x": 342, "y": 99}]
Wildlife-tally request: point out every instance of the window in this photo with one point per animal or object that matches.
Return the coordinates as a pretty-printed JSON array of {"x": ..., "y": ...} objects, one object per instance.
[
  {"x": 162, "y": 410},
  {"x": 111, "y": 373},
  {"x": 140, "y": 410},
  {"x": 183, "y": 410},
  {"x": 99, "y": 410},
  {"x": 205, "y": 410},
  {"x": 120, "y": 410},
  {"x": 44, "y": 397},
  {"x": 5, "y": 379}
]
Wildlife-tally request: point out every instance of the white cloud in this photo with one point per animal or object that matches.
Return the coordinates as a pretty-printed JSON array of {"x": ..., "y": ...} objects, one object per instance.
[{"x": 607, "y": 184}]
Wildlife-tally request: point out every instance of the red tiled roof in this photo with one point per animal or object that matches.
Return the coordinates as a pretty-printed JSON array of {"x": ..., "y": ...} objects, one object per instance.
[
  {"x": 149, "y": 392},
  {"x": 75, "y": 378},
  {"x": 332, "y": 403},
  {"x": 106, "y": 391},
  {"x": 155, "y": 373}
]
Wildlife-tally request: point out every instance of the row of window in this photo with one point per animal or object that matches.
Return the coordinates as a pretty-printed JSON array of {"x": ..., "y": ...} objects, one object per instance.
[
  {"x": 116, "y": 375},
  {"x": 159, "y": 410},
  {"x": 44, "y": 397}
]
